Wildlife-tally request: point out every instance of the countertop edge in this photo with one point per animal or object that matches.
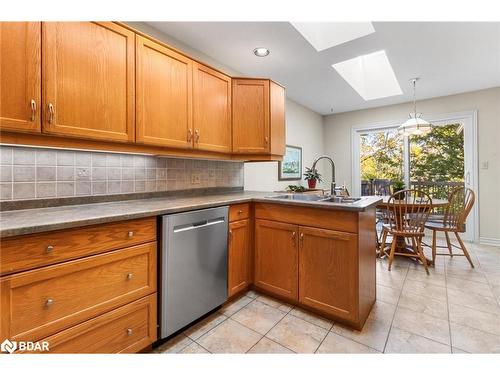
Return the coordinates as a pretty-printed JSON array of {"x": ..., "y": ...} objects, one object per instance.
[{"x": 220, "y": 201}]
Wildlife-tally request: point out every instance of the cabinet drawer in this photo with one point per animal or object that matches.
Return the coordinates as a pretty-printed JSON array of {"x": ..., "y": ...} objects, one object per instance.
[
  {"x": 127, "y": 329},
  {"x": 39, "y": 303},
  {"x": 42, "y": 249},
  {"x": 239, "y": 211}
]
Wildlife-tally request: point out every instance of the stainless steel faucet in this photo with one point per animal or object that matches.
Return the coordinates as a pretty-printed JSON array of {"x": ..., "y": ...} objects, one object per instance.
[{"x": 333, "y": 186}]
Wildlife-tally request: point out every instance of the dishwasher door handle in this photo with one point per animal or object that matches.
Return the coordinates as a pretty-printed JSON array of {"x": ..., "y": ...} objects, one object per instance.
[{"x": 202, "y": 224}]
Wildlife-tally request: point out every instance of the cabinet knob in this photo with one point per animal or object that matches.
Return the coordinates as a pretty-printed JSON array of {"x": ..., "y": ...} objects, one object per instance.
[
  {"x": 129, "y": 331},
  {"x": 293, "y": 235},
  {"x": 302, "y": 236},
  {"x": 130, "y": 276},
  {"x": 49, "y": 302},
  {"x": 49, "y": 249},
  {"x": 190, "y": 135},
  {"x": 130, "y": 234},
  {"x": 240, "y": 212},
  {"x": 266, "y": 139},
  {"x": 197, "y": 135},
  {"x": 33, "y": 110}
]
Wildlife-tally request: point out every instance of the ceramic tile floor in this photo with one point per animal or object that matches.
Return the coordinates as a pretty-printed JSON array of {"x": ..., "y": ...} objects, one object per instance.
[{"x": 454, "y": 310}]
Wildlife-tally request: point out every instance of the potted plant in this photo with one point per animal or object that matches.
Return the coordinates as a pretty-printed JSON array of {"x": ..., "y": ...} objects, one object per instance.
[
  {"x": 398, "y": 185},
  {"x": 312, "y": 176}
]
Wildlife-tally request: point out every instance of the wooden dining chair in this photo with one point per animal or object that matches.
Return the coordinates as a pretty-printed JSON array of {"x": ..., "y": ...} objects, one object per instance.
[
  {"x": 460, "y": 203},
  {"x": 408, "y": 211}
]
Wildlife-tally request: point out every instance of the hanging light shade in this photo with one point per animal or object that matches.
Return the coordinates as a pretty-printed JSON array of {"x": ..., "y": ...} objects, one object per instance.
[{"x": 415, "y": 125}]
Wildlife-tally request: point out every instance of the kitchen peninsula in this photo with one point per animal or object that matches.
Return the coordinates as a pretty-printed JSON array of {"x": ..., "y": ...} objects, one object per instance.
[{"x": 313, "y": 254}]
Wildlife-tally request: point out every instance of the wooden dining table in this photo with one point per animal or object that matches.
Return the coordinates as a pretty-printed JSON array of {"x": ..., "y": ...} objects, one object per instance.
[{"x": 401, "y": 245}]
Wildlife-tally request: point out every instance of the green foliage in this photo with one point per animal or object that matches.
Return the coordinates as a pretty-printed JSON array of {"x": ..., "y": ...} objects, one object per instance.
[
  {"x": 398, "y": 185},
  {"x": 381, "y": 155},
  {"x": 312, "y": 174},
  {"x": 437, "y": 156},
  {"x": 296, "y": 188}
]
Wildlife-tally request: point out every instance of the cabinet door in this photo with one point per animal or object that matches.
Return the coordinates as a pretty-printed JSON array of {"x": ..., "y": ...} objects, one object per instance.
[
  {"x": 164, "y": 96},
  {"x": 327, "y": 271},
  {"x": 20, "y": 76},
  {"x": 211, "y": 109},
  {"x": 239, "y": 256},
  {"x": 277, "y": 118},
  {"x": 250, "y": 116},
  {"x": 276, "y": 258},
  {"x": 88, "y": 80}
]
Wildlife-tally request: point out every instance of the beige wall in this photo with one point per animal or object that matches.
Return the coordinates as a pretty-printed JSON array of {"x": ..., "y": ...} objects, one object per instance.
[
  {"x": 304, "y": 128},
  {"x": 337, "y": 142}
]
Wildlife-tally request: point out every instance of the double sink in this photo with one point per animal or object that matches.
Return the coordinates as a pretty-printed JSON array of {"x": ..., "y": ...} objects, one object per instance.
[{"x": 316, "y": 198}]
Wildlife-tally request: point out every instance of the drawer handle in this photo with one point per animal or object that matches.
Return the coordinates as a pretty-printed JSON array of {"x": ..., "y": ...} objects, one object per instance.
[
  {"x": 130, "y": 276},
  {"x": 49, "y": 302},
  {"x": 130, "y": 234},
  {"x": 129, "y": 331},
  {"x": 240, "y": 212},
  {"x": 49, "y": 249}
]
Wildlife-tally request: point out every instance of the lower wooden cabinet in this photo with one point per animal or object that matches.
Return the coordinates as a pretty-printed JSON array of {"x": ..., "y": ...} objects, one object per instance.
[
  {"x": 39, "y": 303},
  {"x": 89, "y": 290},
  {"x": 127, "y": 329},
  {"x": 239, "y": 256},
  {"x": 327, "y": 271},
  {"x": 330, "y": 271},
  {"x": 276, "y": 258}
]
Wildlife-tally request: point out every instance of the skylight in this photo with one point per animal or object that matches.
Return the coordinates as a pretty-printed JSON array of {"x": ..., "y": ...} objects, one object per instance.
[
  {"x": 370, "y": 75},
  {"x": 323, "y": 35}
]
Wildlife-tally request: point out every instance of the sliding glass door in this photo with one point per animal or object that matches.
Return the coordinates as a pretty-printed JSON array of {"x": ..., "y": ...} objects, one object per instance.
[{"x": 436, "y": 163}]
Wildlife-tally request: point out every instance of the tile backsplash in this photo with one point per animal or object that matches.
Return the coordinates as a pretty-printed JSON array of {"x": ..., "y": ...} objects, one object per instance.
[{"x": 38, "y": 173}]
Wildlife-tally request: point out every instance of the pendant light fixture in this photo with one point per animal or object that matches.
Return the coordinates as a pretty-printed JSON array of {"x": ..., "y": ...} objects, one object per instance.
[{"x": 415, "y": 125}]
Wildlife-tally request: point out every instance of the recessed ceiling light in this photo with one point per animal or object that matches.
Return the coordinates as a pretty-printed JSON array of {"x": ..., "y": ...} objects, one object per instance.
[
  {"x": 261, "y": 52},
  {"x": 323, "y": 35},
  {"x": 370, "y": 75}
]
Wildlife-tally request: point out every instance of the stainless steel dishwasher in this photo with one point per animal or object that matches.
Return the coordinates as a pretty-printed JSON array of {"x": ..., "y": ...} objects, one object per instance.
[{"x": 193, "y": 266}]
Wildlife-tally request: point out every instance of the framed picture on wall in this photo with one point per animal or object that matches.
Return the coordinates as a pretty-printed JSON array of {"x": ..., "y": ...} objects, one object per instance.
[{"x": 290, "y": 169}]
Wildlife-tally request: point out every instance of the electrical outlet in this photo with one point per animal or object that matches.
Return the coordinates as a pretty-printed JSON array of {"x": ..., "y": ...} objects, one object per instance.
[
  {"x": 195, "y": 178},
  {"x": 83, "y": 172}
]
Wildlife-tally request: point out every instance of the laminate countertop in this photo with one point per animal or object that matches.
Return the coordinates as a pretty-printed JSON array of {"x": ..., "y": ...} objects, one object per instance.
[{"x": 36, "y": 220}]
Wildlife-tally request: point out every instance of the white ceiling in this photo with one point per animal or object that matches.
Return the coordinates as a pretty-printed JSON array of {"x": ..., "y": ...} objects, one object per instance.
[{"x": 449, "y": 57}]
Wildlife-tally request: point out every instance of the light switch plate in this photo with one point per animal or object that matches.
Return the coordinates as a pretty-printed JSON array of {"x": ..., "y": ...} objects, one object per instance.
[{"x": 484, "y": 164}]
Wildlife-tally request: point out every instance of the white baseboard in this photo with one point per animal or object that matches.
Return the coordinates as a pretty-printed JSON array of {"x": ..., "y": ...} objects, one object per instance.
[{"x": 489, "y": 241}]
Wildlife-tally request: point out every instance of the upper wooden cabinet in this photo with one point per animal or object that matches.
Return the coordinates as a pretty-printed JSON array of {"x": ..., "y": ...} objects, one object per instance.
[
  {"x": 276, "y": 258},
  {"x": 88, "y": 80},
  {"x": 164, "y": 96},
  {"x": 211, "y": 109},
  {"x": 258, "y": 117},
  {"x": 328, "y": 271},
  {"x": 101, "y": 81},
  {"x": 20, "y": 76}
]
